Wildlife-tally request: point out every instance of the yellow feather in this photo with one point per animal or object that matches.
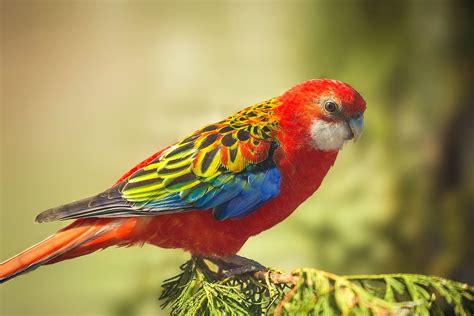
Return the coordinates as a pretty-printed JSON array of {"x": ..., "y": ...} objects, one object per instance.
[
  {"x": 172, "y": 173},
  {"x": 154, "y": 165},
  {"x": 148, "y": 176},
  {"x": 213, "y": 166},
  {"x": 238, "y": 164},
  {"x": 143, "y": 189},
  {"x": 170, "y": 164}
]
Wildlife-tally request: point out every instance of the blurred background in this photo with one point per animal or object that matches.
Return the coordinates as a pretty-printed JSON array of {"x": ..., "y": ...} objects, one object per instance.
[{"x": 89, "y": 88}]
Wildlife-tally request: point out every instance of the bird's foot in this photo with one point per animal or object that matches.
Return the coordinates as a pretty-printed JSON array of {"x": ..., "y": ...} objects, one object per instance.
[{"x": 225, "y": 267}]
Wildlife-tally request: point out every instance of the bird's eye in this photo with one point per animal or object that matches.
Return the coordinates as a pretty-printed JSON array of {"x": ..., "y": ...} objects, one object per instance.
[{"x": 330, "y": 106}]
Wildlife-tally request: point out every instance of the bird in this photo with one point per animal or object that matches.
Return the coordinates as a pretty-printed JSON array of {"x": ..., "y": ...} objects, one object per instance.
[{"x": 222, "y": 184}]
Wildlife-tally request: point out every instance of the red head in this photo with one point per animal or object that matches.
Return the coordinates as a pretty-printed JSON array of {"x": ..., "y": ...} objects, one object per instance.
[{"x": 323, "y": 113}]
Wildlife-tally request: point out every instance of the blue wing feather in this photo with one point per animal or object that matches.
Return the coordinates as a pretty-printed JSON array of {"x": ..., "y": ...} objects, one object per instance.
[
  {"x": 251, "y": 194},
  {"x": 230, "y": 196},
  {"x": 173, "y": 201}
]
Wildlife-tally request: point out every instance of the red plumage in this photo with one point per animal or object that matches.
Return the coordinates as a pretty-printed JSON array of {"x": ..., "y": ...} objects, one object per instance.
[{"x": 302, "y": 167}]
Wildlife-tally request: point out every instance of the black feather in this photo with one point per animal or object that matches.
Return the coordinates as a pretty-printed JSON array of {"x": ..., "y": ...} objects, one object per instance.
[{"x": 89, "y": 206}]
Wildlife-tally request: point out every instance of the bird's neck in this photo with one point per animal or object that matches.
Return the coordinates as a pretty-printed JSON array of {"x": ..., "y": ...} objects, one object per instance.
[{"x": 302, "y": 164}]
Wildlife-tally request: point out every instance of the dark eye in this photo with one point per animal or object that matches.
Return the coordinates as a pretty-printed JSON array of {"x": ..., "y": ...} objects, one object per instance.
[{"x": 330, "y": 106}]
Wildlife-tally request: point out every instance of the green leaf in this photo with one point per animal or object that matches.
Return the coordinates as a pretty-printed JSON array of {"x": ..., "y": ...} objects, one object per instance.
[
  {"x": 346, "y": 299},
  {"x": 197, "y": 291}
]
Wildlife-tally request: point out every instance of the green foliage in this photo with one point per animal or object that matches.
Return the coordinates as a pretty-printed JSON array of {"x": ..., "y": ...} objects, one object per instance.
[{"x": 198, "y": 291}]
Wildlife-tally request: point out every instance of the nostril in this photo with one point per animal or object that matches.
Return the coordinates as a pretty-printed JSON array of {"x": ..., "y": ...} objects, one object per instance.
[{"x": 357, "y": 115}]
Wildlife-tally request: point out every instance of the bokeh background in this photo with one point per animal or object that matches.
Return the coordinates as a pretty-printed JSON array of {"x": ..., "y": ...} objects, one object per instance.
[{"x": 91, "y": 87}]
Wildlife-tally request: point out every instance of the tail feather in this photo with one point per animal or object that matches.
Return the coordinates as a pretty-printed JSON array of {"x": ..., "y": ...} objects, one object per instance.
[{"x": 63, "y": 242}]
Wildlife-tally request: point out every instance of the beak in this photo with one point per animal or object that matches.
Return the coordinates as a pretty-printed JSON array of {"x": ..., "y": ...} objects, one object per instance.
[{"x": 356, "y": 125}]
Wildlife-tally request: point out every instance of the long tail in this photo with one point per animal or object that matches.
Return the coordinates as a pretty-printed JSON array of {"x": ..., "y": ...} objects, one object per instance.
[{"x": 80, "y": 238}]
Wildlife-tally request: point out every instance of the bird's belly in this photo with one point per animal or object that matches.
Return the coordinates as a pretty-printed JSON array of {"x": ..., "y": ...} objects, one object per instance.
[
  {"x": 197, "y": 232},
  {"x": 200, "y": 233}
]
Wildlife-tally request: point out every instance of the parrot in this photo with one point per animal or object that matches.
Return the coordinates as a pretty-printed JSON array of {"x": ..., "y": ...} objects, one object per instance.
[{"x": 222, "y": 184}]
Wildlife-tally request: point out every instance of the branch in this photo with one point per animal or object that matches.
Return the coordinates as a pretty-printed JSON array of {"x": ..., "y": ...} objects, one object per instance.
[
  {"x": 276, "y": 277},
  {"x": 197, "y": 291}
]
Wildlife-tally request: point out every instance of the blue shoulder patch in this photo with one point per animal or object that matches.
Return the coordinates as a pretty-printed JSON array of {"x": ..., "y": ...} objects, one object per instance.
[{"x": 255, "y": 189}]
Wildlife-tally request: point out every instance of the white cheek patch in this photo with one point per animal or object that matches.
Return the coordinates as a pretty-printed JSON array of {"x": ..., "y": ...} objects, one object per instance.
[{"x": 329, "y": 136}]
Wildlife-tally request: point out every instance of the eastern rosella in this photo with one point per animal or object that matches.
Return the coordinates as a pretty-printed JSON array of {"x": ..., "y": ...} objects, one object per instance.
[{"x": 211, "y": 191}]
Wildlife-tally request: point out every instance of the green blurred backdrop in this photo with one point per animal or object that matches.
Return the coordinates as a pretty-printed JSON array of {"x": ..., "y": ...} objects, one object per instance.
[{"x": 91, "y": 87}]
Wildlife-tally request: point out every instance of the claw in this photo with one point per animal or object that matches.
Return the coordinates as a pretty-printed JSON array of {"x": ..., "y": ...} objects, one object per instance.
[{"x": 229, "y": 266}]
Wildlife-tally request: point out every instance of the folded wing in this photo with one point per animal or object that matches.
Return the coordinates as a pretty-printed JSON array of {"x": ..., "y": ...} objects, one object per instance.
[{"x": 227, "y": 167}]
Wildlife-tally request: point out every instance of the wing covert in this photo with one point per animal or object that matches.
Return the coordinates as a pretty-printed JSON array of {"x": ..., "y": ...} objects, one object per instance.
[{"x": 227, "y": 167}]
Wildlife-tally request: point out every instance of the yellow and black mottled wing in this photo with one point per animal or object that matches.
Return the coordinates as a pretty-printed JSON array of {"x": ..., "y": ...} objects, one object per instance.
[{"x": 227, "y": 166}]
